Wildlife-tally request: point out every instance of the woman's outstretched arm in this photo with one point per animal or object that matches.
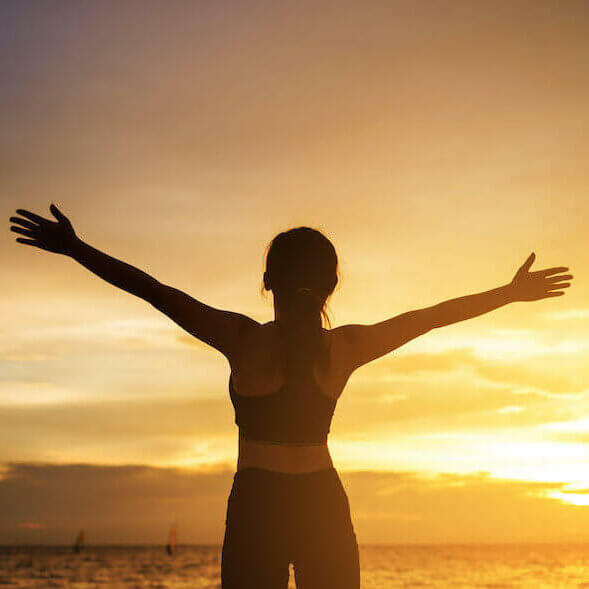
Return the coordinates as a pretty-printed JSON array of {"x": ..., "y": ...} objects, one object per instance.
[
  {"x": 217, "y": 328},
  {"x": 364, "y": 343}
]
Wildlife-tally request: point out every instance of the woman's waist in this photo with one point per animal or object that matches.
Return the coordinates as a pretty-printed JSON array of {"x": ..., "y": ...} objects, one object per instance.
[{"x": 283, "y": 457}]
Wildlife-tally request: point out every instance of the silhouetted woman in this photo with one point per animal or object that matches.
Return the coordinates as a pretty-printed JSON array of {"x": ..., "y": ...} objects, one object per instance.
[{"x": 287, "y": 503}]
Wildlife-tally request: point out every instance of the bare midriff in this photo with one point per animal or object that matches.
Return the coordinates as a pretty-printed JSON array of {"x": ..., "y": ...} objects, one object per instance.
[{"x": 289, "y": 458}]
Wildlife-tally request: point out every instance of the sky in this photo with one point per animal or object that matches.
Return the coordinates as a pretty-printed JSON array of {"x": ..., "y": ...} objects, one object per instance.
[{"x": 436, "y": 144}]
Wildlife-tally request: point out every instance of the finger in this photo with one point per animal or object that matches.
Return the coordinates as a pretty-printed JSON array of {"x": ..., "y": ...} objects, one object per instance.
[
  {"x": 550, "y": 271},
  {"x": 30, "y": 242},
  {"x": 23, "y": 231},
  {"x": 57, "y": 213},
  {"x": 558, "y": 293},
  {"x": 559, "y": 285},
  {"x": 23, "y": 222},
  {"x": 526, "y": 265},
  {"x": 32, "y": 216},
  {"x": 560, "y": 277}
]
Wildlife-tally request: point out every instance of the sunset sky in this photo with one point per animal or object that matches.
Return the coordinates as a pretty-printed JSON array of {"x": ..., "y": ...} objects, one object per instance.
[{"x": 436, "y": 143}]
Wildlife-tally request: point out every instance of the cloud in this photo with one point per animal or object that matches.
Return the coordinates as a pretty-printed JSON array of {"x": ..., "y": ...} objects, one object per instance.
[
  {"x": 575, "y": 431},
  {"x": 22, "y": 355},
  {"x": 510, "y": 409},
  {"x": 393, "y": 413},
  {"x": 460, "y": 508},
  {"x": 455, "y": 389},
  {"x": 34, "y": 392},
  {"x": 505, "y": 373},
  {"x": 168, "y": 431},
  {"x": 568, "y": 314},
  {"x": 105, "y": 359},
  {"x": 132, "y": 504},
  {"x": 78, "y": 337},
  {"x": 135, "y": 504},
  {"x": 334, "y": 124}
]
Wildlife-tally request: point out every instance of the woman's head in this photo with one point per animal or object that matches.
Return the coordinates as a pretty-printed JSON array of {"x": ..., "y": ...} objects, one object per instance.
[{"x": 302, "y": 272}]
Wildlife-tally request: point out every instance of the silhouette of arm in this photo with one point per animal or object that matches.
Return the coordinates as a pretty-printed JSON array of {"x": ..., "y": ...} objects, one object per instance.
[
  {"x": 365, "y": 343},
  {"x": 218, "y": 328},
  {"x": 215, "y": 327}
]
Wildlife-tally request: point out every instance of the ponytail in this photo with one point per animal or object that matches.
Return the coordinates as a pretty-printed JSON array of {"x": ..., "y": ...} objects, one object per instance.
[{"x": 303, "y": 345}]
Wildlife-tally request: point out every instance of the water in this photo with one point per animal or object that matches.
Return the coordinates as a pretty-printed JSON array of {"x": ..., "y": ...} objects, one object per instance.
[{"x": 492, "y": 566}]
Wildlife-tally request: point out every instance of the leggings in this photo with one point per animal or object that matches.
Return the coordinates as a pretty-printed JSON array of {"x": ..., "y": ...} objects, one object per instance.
[{"x": 275, "y": 519}]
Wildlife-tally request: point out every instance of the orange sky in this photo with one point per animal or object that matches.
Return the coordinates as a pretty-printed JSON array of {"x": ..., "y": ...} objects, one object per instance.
[{"x": 437, "y": 145}]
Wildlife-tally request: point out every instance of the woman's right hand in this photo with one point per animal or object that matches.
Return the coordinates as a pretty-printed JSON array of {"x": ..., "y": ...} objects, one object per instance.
[
  {"x": 541, "y": 284},
  {"x": 53, "y": 236}
]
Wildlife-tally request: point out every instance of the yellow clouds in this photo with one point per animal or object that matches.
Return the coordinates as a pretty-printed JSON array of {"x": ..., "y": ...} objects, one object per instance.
[
  {"x": 568, "y": 314},
  {"x": 456, "y": 409},
  {"x": 142, "y": 388},
  {"x": 96, "y": 359},
  {"x": 436, "y": 148},
  {"x": 460, "y": 508},
  {"x": 34, "y": 392},
  {"x": 134, "y": 504},
  {"x": 510, "y": 409},
  {"x": 161, "y": 432}
]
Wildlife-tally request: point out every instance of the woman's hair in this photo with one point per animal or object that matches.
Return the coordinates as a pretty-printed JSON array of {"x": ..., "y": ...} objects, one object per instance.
[{"x": 302, "y": 272}]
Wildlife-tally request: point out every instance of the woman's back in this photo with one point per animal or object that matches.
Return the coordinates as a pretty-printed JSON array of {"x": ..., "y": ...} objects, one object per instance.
[
  {"x": 283, "y": 424},
  {"x": 256, "y": 367}
]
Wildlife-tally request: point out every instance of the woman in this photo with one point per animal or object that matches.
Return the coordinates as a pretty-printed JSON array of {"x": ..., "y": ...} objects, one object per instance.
[{"x": 287, "y": 503}]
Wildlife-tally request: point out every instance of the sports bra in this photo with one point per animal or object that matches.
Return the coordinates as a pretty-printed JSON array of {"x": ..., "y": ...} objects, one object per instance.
[{"x": 290, "y": 415}]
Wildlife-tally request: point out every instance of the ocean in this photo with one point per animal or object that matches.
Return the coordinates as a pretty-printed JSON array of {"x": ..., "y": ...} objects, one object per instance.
[{"x": 535, "y": 566}]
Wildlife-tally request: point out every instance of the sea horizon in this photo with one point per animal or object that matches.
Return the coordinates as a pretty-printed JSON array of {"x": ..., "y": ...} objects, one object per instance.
[{"x": 444, "y": 566}]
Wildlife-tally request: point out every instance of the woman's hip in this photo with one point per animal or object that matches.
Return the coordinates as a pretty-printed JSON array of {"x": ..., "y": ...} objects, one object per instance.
[
  {"x": 294, "y": 503},
  {"x": 275, "y": 518}
]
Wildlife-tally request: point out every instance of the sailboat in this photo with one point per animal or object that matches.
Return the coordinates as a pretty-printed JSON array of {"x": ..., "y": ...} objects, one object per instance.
[
  {"x": 79, "y": 543},
  {"x": 172, "y": 536}
]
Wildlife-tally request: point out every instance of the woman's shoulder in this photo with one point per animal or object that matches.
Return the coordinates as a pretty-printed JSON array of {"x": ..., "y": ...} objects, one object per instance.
[{"x": 260, "y": 335}]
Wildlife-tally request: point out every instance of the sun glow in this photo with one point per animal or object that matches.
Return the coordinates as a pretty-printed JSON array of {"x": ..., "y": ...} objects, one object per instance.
[{"x": 436, "y": 149}]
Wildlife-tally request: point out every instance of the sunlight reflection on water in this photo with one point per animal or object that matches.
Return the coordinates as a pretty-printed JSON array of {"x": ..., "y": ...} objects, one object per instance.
[{"x": 497, "y": 566}]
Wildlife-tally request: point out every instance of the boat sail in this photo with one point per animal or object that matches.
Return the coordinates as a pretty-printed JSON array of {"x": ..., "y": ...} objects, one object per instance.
[
  {"x": 79, "y": 543},
  {"x": 172, "y": 537}
]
